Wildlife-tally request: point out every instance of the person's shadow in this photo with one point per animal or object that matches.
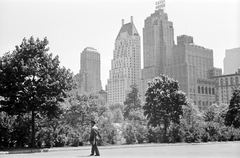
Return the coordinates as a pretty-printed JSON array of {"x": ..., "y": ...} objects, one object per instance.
[{"x": 84, "y": 156}]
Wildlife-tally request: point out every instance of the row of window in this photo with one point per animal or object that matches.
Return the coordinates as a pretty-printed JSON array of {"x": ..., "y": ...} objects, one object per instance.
[
  {"x": 206, "y": 90},
  {"x": 231, "y": 81},
  {"x": 204, "y": 103}
]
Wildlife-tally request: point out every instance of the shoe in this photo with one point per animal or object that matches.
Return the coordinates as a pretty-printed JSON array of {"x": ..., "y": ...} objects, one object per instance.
[
  {"x": 97, "y": 155},
  {"x": 91, "y": 154}
]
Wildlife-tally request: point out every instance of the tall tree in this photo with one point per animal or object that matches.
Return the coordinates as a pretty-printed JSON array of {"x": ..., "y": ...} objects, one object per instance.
[
  {"x": 164, "y": 102},
  {"x": 32, "y": 81},
  {"x": 233, "y": 113},
  {"x": 132, "y": 101}
]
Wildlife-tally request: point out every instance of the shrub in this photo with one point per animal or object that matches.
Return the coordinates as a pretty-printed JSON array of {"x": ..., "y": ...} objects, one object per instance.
[
  {"x": 108, "y": 131},
  {"x": 175, "y": 133},
  {"x": 14, "y": 130},
  {"x": 212, "y": 131},
  {"x": 140, "y": 131},
  {"x": 129, "y": 134},
  {"x": 224, "y": 134},
  {"x": 155, "y": 135},
  {"x": 152, "y": 135},
  {"x": 192, "y": 133}
]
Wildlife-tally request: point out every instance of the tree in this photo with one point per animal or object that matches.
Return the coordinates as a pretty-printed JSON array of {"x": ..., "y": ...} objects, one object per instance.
[
  {"x": 164, "y": 102},
  {"x": 209, "y": 115},
  {"x": 83, "y": 108},
  {"x": 233, "y": 113},
  {"x": 115, "y": 106},
  {"x": 132, "y": 101},
  {"x": 191, "y": 114},
  {"x": 117, "y": 115},
  {"x": 32, "y": 81}
]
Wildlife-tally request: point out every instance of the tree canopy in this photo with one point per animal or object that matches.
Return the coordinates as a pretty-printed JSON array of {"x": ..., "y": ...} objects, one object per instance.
[
  {"x": 164, "y": 102},
  {"x": 32, "y": 80},
  {"x": 233, "y": 113}
]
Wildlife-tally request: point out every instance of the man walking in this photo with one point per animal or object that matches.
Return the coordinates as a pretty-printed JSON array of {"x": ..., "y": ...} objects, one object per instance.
[{"x": 94, "y": 137}]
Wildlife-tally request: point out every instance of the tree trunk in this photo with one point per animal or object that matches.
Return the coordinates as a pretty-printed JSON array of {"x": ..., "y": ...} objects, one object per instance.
[
  {"x": 165, "y": 139},
  {"x": 33, "y": 130},
  {"x": 1, "y": 145}
]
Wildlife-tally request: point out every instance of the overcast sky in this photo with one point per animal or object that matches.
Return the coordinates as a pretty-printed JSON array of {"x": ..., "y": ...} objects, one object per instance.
[{"x": 72, "y": 25}]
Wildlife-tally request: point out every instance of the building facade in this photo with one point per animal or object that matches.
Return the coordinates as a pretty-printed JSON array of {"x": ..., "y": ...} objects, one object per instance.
[
  {"x": 158, "y": 41},
  {"x": 192, "y": 65},
  {"x": 225, "y": 84},
  {"x": 231, "y": 62},
  {"x": 90, "y": 71},
  {"x": 125, "y": 65}
]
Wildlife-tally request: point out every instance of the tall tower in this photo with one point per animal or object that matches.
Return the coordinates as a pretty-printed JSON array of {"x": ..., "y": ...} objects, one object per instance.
[
  {"x": 90, "y": 71},
  {"x": 158, "y": 41},
  {"x": 126, "y": 63}
]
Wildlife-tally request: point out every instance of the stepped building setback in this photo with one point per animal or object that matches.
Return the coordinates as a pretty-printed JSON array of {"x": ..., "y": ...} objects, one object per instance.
[
  {"x": 190, "y": 64},
  {"x": 193, "y": 68},
  {"x": 125, "y": 65}
]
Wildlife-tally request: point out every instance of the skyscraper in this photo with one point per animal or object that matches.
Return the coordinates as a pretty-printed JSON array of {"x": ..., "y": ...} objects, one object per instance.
[
  {"x": 158, "y": 41},
  {"x": 126, "y": 63},
  {"x": 231, "y": 62},
  {"x": 90, "y": 71}
]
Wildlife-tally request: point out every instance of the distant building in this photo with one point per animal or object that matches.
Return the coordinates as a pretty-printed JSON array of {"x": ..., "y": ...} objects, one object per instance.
[
  {"x": 126, "y": 63},
  {"x": 231, "y": 62},
  {"x": 214, "y": 72},
  {"x": 225, "y": 84},
  {"x": 90, "y": 73},
  {"x": 103, "y": 93},
  {"x": 192, "y": 65},
  {"x": 158, "y": 41}
]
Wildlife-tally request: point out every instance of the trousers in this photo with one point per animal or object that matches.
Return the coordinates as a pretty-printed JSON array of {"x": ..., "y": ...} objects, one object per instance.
[{"x": 95, "y": 149}]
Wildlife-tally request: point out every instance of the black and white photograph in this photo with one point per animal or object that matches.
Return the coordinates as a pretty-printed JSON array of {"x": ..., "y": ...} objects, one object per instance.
[{"x": 120, "y": 78}]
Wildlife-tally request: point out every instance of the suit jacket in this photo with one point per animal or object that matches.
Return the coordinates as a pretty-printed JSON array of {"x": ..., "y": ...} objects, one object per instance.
[{"x": 93, "y": 134}]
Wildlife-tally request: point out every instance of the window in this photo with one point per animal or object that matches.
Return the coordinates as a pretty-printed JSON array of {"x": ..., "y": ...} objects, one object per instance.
[
  {"x": 231, "y": 81},
  {"x": 206, "y": 91},
  {"x": 213, "y": 91},
  {"x": 226, "y": 81},
  {"x": 202, "y": 90},
  {"x": 209, "y": 90},
  {"x": 199, "y": 89},
  {"x": 221, "y": 82}
]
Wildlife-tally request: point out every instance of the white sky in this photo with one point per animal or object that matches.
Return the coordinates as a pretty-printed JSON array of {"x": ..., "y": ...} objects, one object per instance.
[{"x": 72, "y": 25}]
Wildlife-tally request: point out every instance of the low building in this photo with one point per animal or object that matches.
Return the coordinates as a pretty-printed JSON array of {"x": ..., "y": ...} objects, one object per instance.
[{"x": 225, "y": 84}]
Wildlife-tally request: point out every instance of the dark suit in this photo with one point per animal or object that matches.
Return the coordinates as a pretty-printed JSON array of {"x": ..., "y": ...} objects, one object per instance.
[{"x": 93, "y": 141}]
